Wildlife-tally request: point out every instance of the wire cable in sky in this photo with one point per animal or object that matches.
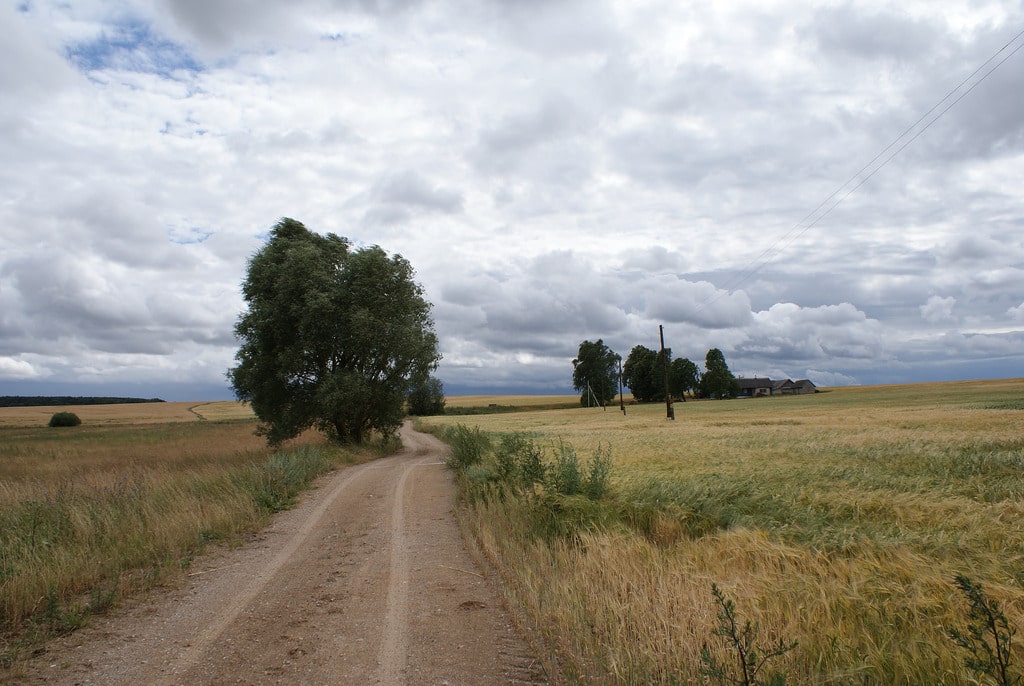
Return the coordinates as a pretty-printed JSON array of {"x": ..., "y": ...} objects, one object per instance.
[{"x": 859, "y": 178}]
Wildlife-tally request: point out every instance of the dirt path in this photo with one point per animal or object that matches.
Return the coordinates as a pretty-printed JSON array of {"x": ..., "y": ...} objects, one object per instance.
[{"x": 366, "y": 581}]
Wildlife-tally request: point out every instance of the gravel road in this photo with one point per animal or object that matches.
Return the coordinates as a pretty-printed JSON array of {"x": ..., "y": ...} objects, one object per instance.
[{"x": 366, "y": 581}]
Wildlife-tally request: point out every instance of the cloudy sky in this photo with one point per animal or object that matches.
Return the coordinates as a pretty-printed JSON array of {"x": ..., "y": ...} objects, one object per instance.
[{"x": 554, "y": 170}]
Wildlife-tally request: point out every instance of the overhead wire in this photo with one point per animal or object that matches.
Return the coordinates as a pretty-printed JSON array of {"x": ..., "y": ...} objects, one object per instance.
[{"x": 780, "y": 244}]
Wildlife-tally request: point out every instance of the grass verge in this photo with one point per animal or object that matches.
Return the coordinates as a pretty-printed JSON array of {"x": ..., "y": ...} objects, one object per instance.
[
  {"x": 89, "y": 515},
  {"x": 839, "y": 522}
]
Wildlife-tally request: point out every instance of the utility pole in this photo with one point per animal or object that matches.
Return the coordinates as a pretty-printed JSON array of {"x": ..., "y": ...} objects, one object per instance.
[
  {"x": 622, "y": 402},
  {"x": 669, "y": 411}
]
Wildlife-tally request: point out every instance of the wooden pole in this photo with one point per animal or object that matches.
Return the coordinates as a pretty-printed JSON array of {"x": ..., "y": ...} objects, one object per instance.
[
  {"x": 622, "y": 402},
  {"x": 669, "y": 412}
]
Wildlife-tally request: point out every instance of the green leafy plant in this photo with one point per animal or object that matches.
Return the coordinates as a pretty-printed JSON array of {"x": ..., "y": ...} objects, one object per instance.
[
  {"x": 596, "y": 483},
  {"x": 987, "y": 636},
  {"x": 565, "y": 477},
  {"x": 65, "y": 419},
  {"x": 742, "y": 642},
  {"x": 531, "y": 468},
  {"x": 506, "y": 456},
  {"x": 469, "y": 445}
]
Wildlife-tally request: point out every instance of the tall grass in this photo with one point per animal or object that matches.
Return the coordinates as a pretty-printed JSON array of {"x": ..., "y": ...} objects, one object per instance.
[
  {"x": 839, "y": 521},
  {"x": 90, "y": 514}
]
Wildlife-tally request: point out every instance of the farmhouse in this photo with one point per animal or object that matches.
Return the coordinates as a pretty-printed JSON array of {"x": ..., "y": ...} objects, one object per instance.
[
  {"x": 763, "y": 387},
  {"x": 755, "y": 388}
]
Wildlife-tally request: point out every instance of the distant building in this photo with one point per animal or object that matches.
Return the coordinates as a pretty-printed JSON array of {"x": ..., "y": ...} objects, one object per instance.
[
  {"x": 804, "y": 386},
  {"x": 754, "y": 388},
  {"x": 758, "y": 387}
]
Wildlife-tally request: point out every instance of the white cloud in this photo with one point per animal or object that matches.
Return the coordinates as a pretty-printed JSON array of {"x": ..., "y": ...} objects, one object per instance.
[
  {"x": 821, "y": 378},
  {"x": 17, "y": 369},
  {"x": 834, "y": 333},
  {"x": 554, "y": 172},
  {"x": 938, "y": 309}
]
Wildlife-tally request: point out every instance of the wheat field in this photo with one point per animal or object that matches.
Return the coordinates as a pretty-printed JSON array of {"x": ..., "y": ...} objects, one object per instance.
[
  {"x": 128, "y": 413},
  {"x": 837, "y": 520}
]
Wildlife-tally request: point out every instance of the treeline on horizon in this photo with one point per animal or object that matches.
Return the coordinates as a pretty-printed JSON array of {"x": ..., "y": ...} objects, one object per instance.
[{"x": 55, "y": 400}]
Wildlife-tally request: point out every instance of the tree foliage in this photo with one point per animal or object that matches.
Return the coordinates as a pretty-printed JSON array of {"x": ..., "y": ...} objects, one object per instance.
[
  {"x": 333, "y": 338},
  {"x": 597, "y": 365},
  {"x": 718, "y": 381},
  {"x": 65, "y": 419},
  {"x": 683, "y": 375},
  {"x": 644, "y": 373},
  {"x": 427, "y": 398}
]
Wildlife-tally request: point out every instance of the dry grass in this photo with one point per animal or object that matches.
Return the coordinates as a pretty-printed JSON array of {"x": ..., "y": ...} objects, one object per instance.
[
  {"x": 837, "y": 520},
  {"x": 94, "y": 512},
  {"x": 509, "y": 400}
]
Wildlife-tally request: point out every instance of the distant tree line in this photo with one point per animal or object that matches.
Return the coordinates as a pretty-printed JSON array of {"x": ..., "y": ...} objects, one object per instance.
[
  {"x": 53, "y": 400},
  {"x": 596, "y": 374}
]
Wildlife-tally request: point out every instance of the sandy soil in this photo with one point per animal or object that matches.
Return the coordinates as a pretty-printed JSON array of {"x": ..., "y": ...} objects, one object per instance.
[{"x": 366, "y": 581}]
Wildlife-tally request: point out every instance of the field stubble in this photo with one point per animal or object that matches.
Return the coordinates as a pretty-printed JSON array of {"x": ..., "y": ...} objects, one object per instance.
[{"x": 838, "y": 520}]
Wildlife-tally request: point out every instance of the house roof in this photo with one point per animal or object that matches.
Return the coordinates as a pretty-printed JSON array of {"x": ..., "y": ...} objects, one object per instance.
[{"x": 776, "y": 385}]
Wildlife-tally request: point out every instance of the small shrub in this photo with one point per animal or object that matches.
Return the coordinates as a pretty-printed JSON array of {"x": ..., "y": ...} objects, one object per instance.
[
  {"x": 987, "y": 636},
  {"x": 506, "y": 456},
  {"x": 596, "y": 484},
  {"x": 565, "y": 476},
  {"x": 531, "y": 468},
  {"x": 742, "y": 642},
  {"x": 468, "y": 446},
  {"x": 65, "y": 419}
]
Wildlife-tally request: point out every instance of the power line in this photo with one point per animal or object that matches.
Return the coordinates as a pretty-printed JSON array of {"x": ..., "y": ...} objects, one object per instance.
[{"x": 783, "y": 242}]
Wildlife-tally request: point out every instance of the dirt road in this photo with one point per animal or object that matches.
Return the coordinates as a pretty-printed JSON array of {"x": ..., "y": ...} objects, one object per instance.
[{"x": 366, "y": 581}]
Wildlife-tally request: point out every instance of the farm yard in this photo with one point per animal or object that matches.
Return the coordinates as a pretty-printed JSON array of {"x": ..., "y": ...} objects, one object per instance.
[{"x": 838, "y": 521}]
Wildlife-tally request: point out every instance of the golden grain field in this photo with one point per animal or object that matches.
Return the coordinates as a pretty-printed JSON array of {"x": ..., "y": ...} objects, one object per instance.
[
  {"x": 837, "y": 520},
  {"x": 483, "y": 401},
  {"x": 127, "y": 413}
]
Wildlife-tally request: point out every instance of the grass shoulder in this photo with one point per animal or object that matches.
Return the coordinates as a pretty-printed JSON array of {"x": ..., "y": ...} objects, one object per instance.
[{"x": 840, "y": 522}]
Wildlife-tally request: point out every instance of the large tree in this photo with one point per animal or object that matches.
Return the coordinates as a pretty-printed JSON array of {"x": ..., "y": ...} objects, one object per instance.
[
  {"x": 683, "y": 375},
  {"x": 427, "y": 399},
  {"x": 717, "y": 381},
  {"x": 595, "y": 373},
  {"x": 333, "y": 338},
  {"x": 644, "y": 373}
]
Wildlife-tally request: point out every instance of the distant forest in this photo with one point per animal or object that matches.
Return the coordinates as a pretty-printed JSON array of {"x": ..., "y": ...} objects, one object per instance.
[{"x": 51, "y": 400}]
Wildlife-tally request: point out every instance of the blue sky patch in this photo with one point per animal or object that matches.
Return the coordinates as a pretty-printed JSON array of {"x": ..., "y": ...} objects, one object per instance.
[
  {"x": 134, "y": 47},
  {"x": 189, "y": 236}
]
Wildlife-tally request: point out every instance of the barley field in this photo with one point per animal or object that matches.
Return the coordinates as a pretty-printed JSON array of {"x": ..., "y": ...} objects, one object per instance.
[{"x": 837, "y": 520}]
